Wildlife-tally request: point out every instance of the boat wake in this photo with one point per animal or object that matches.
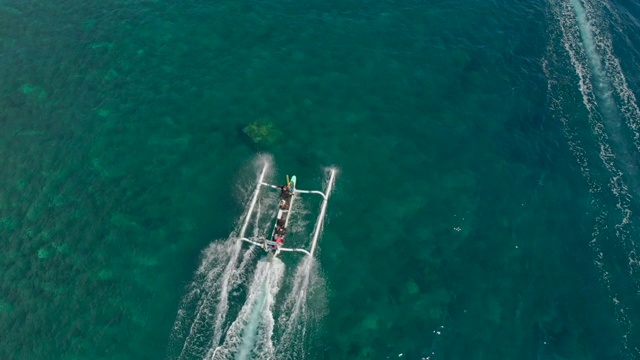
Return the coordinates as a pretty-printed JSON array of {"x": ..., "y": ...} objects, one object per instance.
[
  {"x": 198, "y": 323},
  {"x": 611, "y": 131},
  {"x": 202, "y": 315},
  {"x": 230, "y": 309},
  {"x": 296, "y": 320},
  {"x": 250, "y": 335}
]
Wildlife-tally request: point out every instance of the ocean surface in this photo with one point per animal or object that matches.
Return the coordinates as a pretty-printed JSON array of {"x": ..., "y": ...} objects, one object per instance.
[{"x": 485, "y": 204}]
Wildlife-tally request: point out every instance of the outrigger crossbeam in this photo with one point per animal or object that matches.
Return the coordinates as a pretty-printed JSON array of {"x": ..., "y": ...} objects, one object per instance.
[
  {"x": 261, "y": 243},
  {"x": 284, "y": 212}
]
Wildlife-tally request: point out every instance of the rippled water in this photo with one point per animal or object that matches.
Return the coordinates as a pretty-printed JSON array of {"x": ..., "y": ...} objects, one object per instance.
[{"x": 485, "y": 206}]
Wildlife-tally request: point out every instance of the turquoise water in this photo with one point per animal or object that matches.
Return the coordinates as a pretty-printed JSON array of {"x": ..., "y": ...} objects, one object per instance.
[{"x": 485, "y": 204}]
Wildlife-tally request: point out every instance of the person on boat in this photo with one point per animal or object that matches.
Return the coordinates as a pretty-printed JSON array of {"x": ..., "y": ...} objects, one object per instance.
[
  {"x": 283, "y": 204},
  {"x": 285, "y": 192}
]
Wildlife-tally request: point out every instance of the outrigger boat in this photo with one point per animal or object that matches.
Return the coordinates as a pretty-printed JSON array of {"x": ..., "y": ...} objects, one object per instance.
[{"x": 288, "y": 193}]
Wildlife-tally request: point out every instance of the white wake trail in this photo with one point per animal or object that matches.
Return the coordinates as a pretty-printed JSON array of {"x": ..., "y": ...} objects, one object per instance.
[
  {"x": 593, "y": 42},
  {"x": 598, "y": 234},
  {"x": 611, "y": 78},
  {"x": 250, "y": 335},
  {"x": 296, "y": 319},
  {"x": 199, "y": 325},
  {"x": 202, "y": 295},
  {"x": 573, "y": 16},
  {"x": 231, "y": 277},
  {"x": 578, "y": 39},
  {"x": 629, "y": 105}
]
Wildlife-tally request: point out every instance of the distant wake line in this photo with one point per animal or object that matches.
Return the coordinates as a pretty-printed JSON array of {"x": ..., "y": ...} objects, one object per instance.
[
  {"x": 628, "y": 107},
  {"x": 611, "y": 107},
  {"x": 610, "y": 81},
  {"x": 605, "y": 88},
  {"x": 604, "y": 114},
  {"x": 603, "y": 105}
]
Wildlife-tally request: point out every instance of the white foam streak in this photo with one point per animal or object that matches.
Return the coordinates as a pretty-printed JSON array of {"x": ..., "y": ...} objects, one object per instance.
[
  {"x": 575, "y": 30},
  {"x": 203, "y": 311},
  {"x": 629, "y": 106},
  {"x": 594, "y": 189},
  {"x": 598, "y": 41},
  {"x": 249, "y": 336},
  {"x": 231, "y": 277},
  {"x": 616, "y": 183},
  {"x": 295, "y": 320},
  {"x": 202, "y": 292},
  {"x": 571, "y": 42}
]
